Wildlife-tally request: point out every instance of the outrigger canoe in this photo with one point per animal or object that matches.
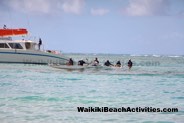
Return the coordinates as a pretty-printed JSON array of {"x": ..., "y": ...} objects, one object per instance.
[
  {"x": 78, "y": 67},
  {"x": 69, "y": 67}
]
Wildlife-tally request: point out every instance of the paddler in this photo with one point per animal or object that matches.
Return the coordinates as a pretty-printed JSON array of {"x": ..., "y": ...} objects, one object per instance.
[
  {"x": 130, "y": 64},
  {"x": 81, "y": 62},
  {"x": 70, "y": 62},
  {"x": 118, "y": 64},
  {"x": 107, "y": 63},
  {"x": 96, "y": 62}
]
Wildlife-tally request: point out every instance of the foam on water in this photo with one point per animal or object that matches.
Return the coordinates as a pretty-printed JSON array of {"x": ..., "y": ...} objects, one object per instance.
[{"x": 31, "y": 93}]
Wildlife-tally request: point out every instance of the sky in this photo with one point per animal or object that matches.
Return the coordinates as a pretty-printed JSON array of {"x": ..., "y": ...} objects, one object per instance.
[{"x": 100, "y": 26}]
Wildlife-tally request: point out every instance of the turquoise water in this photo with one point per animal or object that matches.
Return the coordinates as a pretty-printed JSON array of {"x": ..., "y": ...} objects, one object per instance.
[{"x": 37, "y": 94}]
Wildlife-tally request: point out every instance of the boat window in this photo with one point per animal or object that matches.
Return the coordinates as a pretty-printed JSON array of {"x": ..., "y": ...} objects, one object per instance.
[
  {"x": 3, "y": 45},
  {"x": 5, "y": 38},
  {"x": 28, "y": 45},
  {"x": 15, "y": 46}
]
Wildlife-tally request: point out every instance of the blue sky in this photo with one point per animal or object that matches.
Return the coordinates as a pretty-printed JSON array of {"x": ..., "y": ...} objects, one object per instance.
[{"x": 101, "y": 26}]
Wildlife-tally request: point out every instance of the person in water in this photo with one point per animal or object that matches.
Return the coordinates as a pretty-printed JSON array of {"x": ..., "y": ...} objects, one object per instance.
[
  {"x": 70, "y": 62},
  {"x": 107, "y": 63},
  {"x": 118, "y": 64},
  {"x": 130, "y": 64},
  {"x": 96, "y": 62},
  {"x": 81, "y": 62}
]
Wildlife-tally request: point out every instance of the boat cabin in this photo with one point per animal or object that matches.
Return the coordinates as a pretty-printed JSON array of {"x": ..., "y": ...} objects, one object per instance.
[{"x": 7, "y": 43}]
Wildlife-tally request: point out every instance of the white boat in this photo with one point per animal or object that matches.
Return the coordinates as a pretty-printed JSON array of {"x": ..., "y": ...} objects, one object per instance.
[{"x": 25, "y": 51}]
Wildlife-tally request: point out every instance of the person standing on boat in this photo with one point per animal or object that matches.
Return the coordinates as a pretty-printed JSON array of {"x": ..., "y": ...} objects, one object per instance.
[
  {"x": 40, "y": 43},
  {"x": 107, "y": 63},
  {"x": 130, "y": 64},
  {"x": 4, "y": 27}
]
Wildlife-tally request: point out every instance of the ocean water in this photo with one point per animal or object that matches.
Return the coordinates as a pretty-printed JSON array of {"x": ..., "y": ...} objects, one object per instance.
[{"x": 42, "y": 94}]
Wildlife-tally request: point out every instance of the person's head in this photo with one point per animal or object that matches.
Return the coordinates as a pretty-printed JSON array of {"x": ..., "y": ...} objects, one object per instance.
[
  {"x": 107, "y": 60},
  {"x": 96, "y": 58}
]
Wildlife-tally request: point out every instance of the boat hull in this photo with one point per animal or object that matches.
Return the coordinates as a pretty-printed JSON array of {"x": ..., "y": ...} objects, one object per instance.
[{"x": 30, "y": 57}]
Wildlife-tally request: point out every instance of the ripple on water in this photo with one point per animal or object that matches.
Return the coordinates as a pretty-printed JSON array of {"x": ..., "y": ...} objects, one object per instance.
[{"x": 178, "y": 98}]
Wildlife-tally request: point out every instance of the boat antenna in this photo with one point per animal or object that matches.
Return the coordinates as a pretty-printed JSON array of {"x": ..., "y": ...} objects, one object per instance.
[{"x": 28, "y": 23}]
